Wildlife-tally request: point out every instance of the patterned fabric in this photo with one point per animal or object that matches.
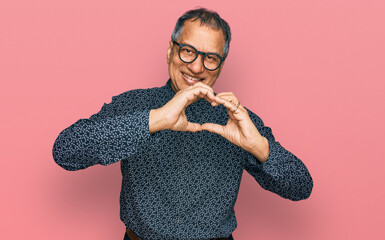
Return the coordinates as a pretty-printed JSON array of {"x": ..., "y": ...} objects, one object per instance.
[
  {"x": 176, "y": 185},
  {"x": 126, "y": 237}
]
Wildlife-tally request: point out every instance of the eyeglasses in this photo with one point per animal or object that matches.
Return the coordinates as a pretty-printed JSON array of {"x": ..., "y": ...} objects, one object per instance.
[{"x": 188, "y": 54}]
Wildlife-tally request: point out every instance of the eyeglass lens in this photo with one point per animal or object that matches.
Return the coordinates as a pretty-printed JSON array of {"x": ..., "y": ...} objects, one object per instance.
[{"x": 189, "y": 54}]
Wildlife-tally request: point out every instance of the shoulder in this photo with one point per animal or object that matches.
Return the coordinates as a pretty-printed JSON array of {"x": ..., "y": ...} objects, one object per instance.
[
  {"x": 137, "y": 97},
  {"x": 135, "y": 93},
  {"x": 128, "y": 102}
]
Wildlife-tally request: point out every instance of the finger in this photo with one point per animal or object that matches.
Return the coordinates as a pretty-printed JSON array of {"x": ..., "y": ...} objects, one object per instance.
[
  {"x": 214, "y": 104},
  {"x": 214, "y": 128},
  {"x": 232, "y": 109},
  {"x": 228, "y": 96},
  {"x": 212, "y": 101},
  {"x": 225, "y": 94},
  {"x": 209, "y": 96},
  {"x": 227, "y": 103},
  {"x": 206, "y": 91},
  {"x": 218, "y": 101},
  {"x": 200, "y": 84},
  {"x": 199, "y": 92}
]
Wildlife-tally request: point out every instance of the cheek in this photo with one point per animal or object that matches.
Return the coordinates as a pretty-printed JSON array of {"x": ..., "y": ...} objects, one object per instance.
[{"x": 175, "y": 63}]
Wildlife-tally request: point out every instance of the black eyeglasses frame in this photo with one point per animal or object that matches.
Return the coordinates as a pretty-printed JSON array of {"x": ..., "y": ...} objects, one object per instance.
[{"x": 180, "y": 45}]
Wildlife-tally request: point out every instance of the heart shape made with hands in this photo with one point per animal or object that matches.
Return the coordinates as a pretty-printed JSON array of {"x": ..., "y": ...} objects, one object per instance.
[
  {"x": 238, "y": 127},
  {"x": 239, "y": 130},
  {"x": 174, "y": 110}
]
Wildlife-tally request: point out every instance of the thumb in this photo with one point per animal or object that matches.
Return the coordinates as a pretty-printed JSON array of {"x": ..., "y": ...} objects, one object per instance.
[
  {"x": 214, "y": 128},
  {"x": 193, "y": 127}
]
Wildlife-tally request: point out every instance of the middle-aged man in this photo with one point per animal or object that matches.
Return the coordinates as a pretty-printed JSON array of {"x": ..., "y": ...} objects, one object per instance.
[{"x": 180, "y": 182}]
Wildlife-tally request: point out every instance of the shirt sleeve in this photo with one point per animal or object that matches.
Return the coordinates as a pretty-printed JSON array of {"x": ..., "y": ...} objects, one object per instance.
[
  {"x": 112, "y": 134},
  {"x": 282, "y": 173}
]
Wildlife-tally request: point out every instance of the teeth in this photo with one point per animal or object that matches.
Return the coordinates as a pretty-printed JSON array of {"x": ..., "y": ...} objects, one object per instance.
[{"x": 191, "y": 78}]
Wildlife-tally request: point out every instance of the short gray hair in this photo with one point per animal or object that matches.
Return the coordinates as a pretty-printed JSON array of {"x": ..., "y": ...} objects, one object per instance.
[{"x": 207, "y": 18}]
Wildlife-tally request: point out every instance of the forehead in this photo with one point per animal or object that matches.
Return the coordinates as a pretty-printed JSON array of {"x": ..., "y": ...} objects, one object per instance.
[{"x": 202, "y": 37}]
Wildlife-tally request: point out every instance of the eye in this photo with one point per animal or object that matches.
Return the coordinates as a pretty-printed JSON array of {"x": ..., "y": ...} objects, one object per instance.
[
  {"x": 212, "y": 58},
  {"x": 187, "y": 50}
]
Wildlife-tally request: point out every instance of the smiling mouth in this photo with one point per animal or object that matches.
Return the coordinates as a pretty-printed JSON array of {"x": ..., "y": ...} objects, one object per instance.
[{"x": 191, "y": 78}]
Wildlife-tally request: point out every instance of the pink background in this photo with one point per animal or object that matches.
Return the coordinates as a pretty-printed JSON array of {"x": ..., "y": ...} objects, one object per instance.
[{"x": 314, "y": 71}]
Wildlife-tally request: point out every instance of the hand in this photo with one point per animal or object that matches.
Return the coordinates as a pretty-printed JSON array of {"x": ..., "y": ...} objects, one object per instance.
[
  {"x": 172, "y": 114},
  {"x": 239, "y": 130}
]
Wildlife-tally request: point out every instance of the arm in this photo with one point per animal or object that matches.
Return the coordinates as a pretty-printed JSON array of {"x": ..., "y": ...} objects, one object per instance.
[
  {"x": 274, "y": 168},
  {"x": 282, "y": 173},
  {"x": 122, "y": 128},
  {"x": 114, "y": 133}
]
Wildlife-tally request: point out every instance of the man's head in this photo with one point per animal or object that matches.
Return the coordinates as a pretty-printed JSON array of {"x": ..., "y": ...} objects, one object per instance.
[{"x": 205, "y": 32}]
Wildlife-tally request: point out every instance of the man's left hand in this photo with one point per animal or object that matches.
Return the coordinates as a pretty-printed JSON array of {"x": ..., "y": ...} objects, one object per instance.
[{"x": 239, "y": 130}]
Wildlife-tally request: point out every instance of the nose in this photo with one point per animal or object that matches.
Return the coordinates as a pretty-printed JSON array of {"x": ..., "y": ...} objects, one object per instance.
[{"x": 197, "y": 65}]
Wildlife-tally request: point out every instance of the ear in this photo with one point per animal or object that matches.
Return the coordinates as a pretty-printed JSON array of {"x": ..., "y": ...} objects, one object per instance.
[{"x": 169, "y": 52}]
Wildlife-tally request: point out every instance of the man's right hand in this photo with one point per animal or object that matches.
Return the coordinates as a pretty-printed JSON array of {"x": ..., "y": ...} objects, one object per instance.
[{"x": 172, "y": 115}]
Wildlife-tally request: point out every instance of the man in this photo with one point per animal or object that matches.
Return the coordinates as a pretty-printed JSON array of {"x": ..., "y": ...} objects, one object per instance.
[{"x": 180, "y": 182}]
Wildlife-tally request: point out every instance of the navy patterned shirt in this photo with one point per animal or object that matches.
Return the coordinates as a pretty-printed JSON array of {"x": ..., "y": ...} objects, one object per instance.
[{"x": 176, "y": 185}]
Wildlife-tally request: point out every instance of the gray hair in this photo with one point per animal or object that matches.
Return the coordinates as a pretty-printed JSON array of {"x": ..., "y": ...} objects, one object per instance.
[{"x": 207, "y": 18}]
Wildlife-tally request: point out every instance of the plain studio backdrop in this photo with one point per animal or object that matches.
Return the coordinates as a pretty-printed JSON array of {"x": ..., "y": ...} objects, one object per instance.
[{"x": 314, "y": 71}]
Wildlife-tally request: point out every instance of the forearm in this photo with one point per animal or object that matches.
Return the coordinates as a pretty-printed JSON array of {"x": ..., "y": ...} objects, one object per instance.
[
  {"x": 103, "y": 141},
  {"x": 156, "y": 121},
  {"x": 260, "y": 150},
  {"x": 283, "y": 173}
]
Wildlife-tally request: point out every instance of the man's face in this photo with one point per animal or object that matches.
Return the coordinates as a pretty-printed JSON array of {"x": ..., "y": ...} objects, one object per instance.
[{"x": 204, "y": 39}]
